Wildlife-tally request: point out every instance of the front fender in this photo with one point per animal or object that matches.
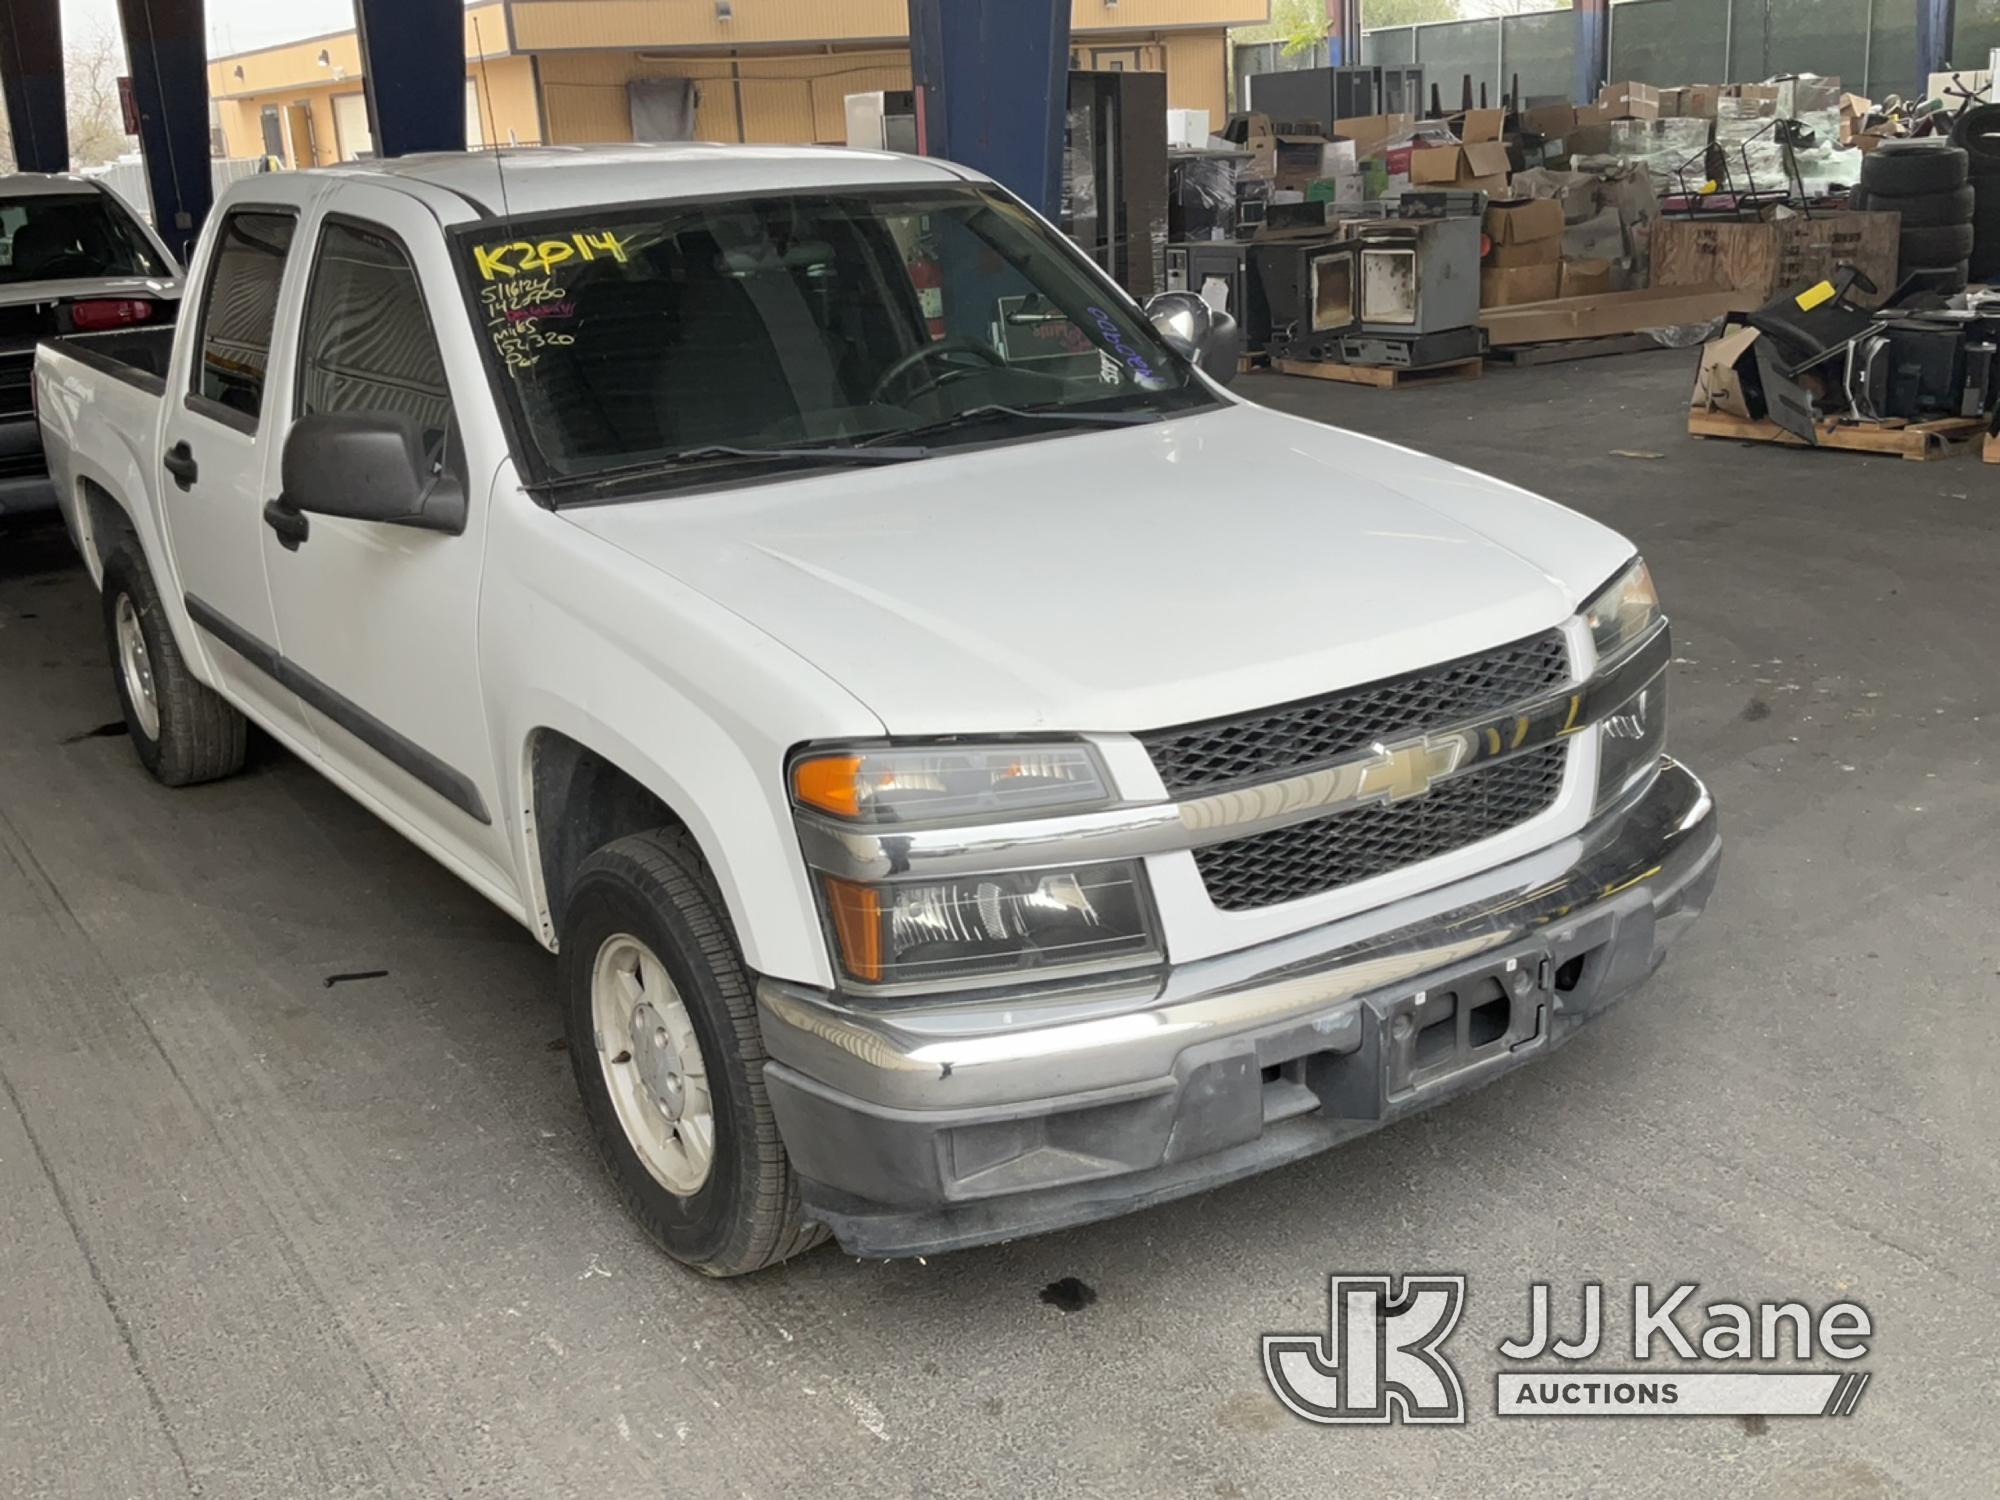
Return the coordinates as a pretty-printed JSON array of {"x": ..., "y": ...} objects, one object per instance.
[{"x": 688, "y": 699}]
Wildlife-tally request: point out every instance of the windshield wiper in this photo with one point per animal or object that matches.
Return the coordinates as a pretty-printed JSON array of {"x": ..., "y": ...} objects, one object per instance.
[
  {"x": 993, "y": 409},
  {"x": 726, "y": 453}
]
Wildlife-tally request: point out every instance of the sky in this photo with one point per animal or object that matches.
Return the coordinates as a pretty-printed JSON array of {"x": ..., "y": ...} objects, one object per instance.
[{"x": 233, "y": 25}]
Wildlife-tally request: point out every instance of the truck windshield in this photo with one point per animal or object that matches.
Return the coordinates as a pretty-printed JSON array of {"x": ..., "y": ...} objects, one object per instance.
[
  {"x": 63, "y": 236},
  {"x": 623, "y": 338}
]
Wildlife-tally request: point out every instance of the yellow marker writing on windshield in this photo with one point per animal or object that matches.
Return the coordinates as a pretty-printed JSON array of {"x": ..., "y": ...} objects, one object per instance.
[{"x": 513, "y": 257}]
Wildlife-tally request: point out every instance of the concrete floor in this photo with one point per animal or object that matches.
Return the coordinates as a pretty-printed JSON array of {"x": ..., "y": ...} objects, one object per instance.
[{"x": 268, "y": 1235}]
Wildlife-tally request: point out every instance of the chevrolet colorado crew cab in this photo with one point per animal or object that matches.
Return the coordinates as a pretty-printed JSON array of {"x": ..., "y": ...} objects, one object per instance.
[{"x": 976, "y": 774}]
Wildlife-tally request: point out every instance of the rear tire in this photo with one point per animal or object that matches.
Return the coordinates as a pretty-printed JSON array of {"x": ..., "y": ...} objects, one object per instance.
[
  {"x": 686, "y": 1131},
  {"x": 181, "y": 728}
]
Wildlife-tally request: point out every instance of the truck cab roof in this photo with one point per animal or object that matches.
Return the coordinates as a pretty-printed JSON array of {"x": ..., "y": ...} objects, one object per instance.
[{"x": 470, "y": 185}]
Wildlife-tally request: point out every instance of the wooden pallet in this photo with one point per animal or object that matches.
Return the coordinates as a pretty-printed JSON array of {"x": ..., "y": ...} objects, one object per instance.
[
  {"x": 1917, "y": 441},
  {"x": 1385, "y": 377},
  {"x": 1564, "y": 350},
  {"x": 1245, "y": 363},
  {"x": 1991, "y": 448}
]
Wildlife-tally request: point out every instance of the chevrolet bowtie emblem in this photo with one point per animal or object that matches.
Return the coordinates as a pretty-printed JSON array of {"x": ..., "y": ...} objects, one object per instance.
[{"x": 1397, "y": 772}]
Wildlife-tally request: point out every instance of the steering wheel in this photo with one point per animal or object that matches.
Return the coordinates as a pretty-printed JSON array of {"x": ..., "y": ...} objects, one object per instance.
[
  {"x": 957, "y": 343},
  {"x": 61, "y": 263}
]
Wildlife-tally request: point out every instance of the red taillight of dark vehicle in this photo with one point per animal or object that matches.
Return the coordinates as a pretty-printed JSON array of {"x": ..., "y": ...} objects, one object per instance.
[{"x": 100, "y": 313}]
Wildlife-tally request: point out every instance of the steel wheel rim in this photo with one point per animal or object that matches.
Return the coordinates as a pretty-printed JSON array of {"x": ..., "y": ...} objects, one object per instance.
[
  {"x": 653, "y": 1064},
  {"x": 136, "y": 665}
]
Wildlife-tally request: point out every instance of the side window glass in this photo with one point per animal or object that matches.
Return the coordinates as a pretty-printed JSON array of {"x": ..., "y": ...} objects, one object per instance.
[
  {"x": 241, "y": 306},
  {"x": 367, "y": 344}
]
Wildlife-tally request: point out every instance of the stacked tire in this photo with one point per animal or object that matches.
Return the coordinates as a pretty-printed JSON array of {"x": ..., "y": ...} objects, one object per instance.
[
  {"x": 1977, "y": 134},
  {"x": 1926, "y": 181}
]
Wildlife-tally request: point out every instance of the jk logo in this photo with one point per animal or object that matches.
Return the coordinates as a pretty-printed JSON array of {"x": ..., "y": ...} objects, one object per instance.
[{"x": 1379, "y": 1360}]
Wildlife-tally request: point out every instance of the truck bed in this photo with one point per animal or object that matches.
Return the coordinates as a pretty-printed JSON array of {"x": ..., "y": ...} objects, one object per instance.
[{"x": 137, "y": 356}]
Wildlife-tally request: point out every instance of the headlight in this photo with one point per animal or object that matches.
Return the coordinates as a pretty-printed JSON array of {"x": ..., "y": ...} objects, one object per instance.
[
  {"x": 1630, "y": 742},
  {"x": 987, "y": 927},
  {"x": 1622, "y": 611},
  {"x": 937, "y": 782}
]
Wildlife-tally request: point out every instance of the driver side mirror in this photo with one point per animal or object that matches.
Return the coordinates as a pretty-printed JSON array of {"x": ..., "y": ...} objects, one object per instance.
[
  {"x": 370, "y": 466},
  {"x": 1206, "y": 338}
]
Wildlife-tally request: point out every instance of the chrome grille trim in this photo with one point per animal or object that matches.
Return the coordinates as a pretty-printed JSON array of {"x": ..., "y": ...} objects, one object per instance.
[
  {"x": 920, "y": 852},
  {"x": 1273, "y": 743}
]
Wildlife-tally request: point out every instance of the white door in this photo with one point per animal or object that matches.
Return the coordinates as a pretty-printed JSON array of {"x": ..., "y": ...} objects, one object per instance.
[
  {"x": 378, "y": 624},
  {"x": 213, "y": 479},
  {"x": 350, "y": 126}
]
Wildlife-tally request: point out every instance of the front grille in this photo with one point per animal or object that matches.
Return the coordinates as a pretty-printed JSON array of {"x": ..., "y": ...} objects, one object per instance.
[
  {"x": 1280, "y": 741},
  {"x": 1307, "y": 858}
]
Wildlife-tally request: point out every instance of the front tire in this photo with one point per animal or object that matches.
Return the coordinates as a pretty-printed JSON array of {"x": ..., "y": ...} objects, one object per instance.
[
  {"x": 663, "y": 1039},
  {"x": 183, "y": 731}
]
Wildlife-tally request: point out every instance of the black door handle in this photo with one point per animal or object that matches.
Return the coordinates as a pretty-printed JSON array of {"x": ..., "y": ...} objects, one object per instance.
[
  {"x": 288, "y": 521},
  {"x": 179, "y": 462}
]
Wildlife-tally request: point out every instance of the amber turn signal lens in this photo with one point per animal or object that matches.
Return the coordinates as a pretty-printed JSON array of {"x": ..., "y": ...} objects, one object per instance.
[
  {"x": 831, "y": 783},
  {"x": 857, "y": 921}
]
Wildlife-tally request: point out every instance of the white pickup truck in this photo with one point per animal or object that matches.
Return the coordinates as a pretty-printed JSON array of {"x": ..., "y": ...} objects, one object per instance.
[{"x": 976, "y": 774}]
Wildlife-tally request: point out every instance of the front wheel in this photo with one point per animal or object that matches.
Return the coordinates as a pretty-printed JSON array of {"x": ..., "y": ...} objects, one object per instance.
[
  {"x": 182, "y": 729},
  {"x": 663, "y": 1039}
]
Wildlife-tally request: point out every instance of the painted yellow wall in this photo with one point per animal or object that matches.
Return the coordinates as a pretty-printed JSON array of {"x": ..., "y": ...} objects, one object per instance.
[
  {"x": 778, "y": 94},
  {"x": 548, "y": 25}
]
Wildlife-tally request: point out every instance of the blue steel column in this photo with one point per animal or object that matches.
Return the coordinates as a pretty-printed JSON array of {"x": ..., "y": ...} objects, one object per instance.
[
  {"x": 1936, "y": 21},
  {"x": 1593, "y": 48},
  {"x": 166, "y": 48},
  {"x": 992, "y": 84},
  {"x": 413, "y": 66},
  {"x": 1343, "y": 37},
  {"x": 31, "y": 71}
]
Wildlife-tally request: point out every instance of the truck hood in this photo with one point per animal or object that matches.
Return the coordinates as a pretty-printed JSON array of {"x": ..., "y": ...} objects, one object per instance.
[{"x": 1126, "y": 579}]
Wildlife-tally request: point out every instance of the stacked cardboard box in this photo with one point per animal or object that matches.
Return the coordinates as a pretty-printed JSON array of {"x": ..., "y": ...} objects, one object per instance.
[
  {"x": 1524, "y": 257},
  {"x": 1631, "y": 101}
]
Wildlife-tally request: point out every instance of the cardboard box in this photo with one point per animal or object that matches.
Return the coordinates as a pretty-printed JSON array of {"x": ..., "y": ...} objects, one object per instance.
[
  {"x": 1552, "y": 121},
  {"x": 1302, "y": 160},
  {"x": 1594, "y": 114},
  {"x": 1524, "y": 232},
  {"x": 1435, "y": 164},
  {"x": 1370, "y": 133},
  {"x": 1526, "y": 253},
  {"x": 1510, "y": 286},
  {"x": 1521, "y": 220},
  {"x": 1475, "y": 125},
  {"x": 1767, "y": 257},
  {"x": 1611, "y": 312},
  {"x": 1586, "y": 278},
  {"x": 1698, "y": 101},
  {"x": 1672, "y": 104},
  {"x": 1718, "y": 384},
  {"x": 1630, "y": 101},
  {"x": 1479, "y": 166}
]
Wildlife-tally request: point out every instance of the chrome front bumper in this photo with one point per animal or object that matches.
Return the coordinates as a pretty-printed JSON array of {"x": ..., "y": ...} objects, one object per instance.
[{"x": 928, "y": 1125}]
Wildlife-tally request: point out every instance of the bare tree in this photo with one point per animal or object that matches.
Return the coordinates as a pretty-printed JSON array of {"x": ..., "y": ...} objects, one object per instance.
[{"x": 96, "y": 118}]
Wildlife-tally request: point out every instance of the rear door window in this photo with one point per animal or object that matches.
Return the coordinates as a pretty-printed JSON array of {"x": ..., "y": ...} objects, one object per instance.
[{"x": 238, "y": 312}]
